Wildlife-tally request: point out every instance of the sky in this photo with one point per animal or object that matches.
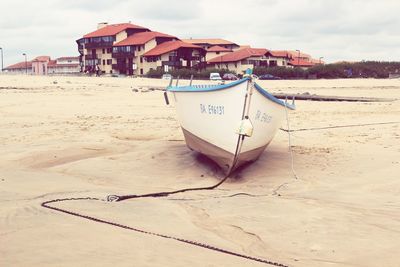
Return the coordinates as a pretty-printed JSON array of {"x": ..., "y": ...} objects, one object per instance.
[{"x": 337, "y": 30}]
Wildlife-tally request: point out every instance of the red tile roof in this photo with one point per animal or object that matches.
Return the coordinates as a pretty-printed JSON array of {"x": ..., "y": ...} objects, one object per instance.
[
  {"x": 211, "y": 41},
  {"x": 239, "y": 55},
  {"x": 41, "y": 58},
  {"x": 296, "y": 54},
  {"x": 68, "y": 58},
  {"x": 113, "y": 29},
  {"x": 168, "y": 47},
  {"x": 20, "y": 65},
  {"x": 300, "y": 63},
  {"x": 52, "y": 63},
  {"x": 281, "y": 54},
  {"x": 142, "y": 38},
  {"x": 217, "y": 48}
]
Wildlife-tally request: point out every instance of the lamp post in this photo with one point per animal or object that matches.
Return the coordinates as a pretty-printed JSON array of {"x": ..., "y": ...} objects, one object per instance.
[
  {"x": 1, "y": 59},
  {"x": 298, "y": 57},
  {"x": 26, "y": 64},
  {"x": 320, "y": 60}
]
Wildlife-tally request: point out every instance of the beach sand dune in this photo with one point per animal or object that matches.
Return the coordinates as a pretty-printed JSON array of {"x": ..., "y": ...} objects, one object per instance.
[{"x": 63, "y": 137}]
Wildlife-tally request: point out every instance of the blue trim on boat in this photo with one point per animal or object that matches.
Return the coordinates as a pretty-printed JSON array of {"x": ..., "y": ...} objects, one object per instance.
[
  {"x": 216, "y": 87},
  {"x": 205, "y": 88},
  {"x": 273, "y": 98}
]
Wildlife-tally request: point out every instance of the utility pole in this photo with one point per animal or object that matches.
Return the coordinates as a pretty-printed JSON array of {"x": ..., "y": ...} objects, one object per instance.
[
  {"x": 26, "y": 64},
  {"x": 2, "y": 67}
]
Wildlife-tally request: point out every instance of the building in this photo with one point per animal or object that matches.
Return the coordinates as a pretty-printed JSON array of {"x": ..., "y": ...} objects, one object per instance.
[
  {"x": 210, "y": 42},
  {"x": 64, "y": 65},
  {"x": 279, "y": 58},
  {"x": 96, "y": 47},
  {"x": 40, "y": 65},
  {"x": 175, "y": 55},
  {"x": 240, "y": 60},
  {"x": 134, "y": 50},
  {"x": 128, "y": 53},
  {"x": 215, "y": 51},
  {"x": 19, "y": 68},
  {"x": 130, "y": 49},
  {"x": 44, "y": 65}
]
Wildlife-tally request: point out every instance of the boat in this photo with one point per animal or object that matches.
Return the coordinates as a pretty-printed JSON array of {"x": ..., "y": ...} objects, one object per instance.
[{"x": 231, "y": 123}]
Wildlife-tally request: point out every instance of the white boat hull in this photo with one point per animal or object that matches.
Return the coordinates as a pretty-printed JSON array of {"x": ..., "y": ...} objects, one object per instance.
[{"x": 209, "y": 119}]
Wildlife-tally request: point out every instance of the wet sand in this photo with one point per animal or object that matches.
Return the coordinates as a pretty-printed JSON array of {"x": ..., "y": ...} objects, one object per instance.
[{"x": 66, "y": 137}]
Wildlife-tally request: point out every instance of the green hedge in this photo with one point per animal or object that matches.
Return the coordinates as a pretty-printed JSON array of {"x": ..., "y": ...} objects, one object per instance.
[{"x": 365, "y": 69}]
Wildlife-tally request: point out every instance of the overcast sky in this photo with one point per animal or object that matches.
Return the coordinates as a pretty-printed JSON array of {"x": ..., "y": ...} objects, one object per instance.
[{"x": 334, "y": 29}]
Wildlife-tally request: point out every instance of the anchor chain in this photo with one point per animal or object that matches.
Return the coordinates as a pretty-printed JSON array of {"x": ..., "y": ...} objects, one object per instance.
[{"x": 186, "y": 241}]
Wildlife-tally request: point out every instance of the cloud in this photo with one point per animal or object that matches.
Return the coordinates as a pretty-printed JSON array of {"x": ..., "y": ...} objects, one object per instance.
[{"x": 336, "y": 30}]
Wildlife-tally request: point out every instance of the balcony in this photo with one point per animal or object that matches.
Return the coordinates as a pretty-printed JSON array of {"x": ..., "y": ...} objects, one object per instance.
[
  {"x": 91, "y": 56},
  {"x": 123, "y": 54},
  {"x": 98, "y": 44},
  {"x": 172, "y": 63}
]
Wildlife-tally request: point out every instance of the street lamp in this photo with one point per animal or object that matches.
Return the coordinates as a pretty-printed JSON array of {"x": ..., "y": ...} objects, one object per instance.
[
  {"x": 298, "y": 57},
  {"x": 320, "y": 60},
  {"x": 26, "y": 64},
  {"x": 1, "y": 59}
]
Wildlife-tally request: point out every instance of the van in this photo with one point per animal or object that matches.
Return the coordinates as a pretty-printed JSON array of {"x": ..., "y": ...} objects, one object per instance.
[{"x": 214, "y": 76}]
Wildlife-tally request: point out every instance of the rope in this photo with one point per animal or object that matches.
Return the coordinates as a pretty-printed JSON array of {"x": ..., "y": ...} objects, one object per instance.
[
  {"x": 339, "y": 126},
  {"x": 290, "y": 143},
  {"x": 190, "y": 242},
  {"x": 117, "y": 198}
]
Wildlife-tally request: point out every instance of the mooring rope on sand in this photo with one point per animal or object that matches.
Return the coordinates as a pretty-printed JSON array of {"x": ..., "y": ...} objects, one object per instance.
[
  {"x": 338, "y": 126},
  {"x": 47, "y": 205},
  {"x": 163, "y": 194},
  {"x": 118, "y": 198}
]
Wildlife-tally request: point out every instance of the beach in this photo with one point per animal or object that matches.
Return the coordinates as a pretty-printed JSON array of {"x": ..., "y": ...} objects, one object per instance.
[{"x": 77, "y": 137}]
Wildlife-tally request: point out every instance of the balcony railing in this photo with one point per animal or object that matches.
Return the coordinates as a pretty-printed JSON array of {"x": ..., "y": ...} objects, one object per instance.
[
  {"x": 123, "y": 54},
  {"x": 91, "y": 56},
  {"x": 99, "y": 44}
]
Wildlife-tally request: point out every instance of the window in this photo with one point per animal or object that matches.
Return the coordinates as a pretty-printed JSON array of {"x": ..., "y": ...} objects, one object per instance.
[
  {"x": 104, "y": 62},
  {"x": 141, "y": 59},
  {"x": 109, "y": 61},
  {"x": 217, "y": 53},
  {"x": 139, "y": 48},
  {"x": 104, "y": 51},
  {"x": 141, "y": 71},
  {"x": 109, "y": 50}
]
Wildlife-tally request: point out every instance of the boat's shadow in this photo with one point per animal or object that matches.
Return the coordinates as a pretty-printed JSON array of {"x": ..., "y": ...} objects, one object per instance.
[{"x": 277, "y": 161}]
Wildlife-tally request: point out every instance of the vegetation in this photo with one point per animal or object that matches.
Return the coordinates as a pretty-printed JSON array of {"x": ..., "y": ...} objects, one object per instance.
[{"x": 365, "y": 69}]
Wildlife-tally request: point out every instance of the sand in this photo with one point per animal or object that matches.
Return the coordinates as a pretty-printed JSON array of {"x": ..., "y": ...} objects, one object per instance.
[{"x": 66, "y": 137}]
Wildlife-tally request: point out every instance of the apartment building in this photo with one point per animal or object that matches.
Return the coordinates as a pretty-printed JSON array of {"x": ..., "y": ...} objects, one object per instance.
[
  {"x": 128, "y": 53},
  {"x": 96, "y": 47},
  {"x": 133, "y": 50},
  {"x": 207, "y": 43},
  {"x": 175, "y": 55}
]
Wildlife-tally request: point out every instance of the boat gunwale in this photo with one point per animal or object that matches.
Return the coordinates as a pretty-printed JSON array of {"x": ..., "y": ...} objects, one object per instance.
[
  {"x": 271, "y": 97},
  {"x": 211, "y": 88},
  {"x": 205, "y": 88}
]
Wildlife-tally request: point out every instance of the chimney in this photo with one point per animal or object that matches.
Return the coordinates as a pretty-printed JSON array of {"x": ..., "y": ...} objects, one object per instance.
[{"x": 101, "y": 25}]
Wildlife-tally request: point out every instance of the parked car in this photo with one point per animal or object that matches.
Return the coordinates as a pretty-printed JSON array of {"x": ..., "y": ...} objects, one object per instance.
[
  {"x": 229, "y": 76},
  {"x": 268, "y": 77},
  {"x": 166, "y": 77},
  {"x": 214, "y": 76}
]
